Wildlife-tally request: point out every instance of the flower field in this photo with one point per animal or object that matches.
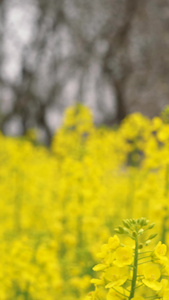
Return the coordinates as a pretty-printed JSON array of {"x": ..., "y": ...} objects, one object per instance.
[{"x": 60, "y": 205}]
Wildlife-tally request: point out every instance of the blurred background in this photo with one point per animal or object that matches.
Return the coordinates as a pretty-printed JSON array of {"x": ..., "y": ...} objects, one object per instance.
[{"x": 112, "y": 55}]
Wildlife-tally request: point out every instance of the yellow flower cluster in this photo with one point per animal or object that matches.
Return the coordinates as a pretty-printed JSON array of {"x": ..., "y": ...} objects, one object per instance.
[
  {"x": 130, "y": 272},
  {"x": 59, "y": 205}
]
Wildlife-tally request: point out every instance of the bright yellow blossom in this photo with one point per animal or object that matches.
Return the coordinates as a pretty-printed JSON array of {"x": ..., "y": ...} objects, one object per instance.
[
  {"x": 116, "y": 276},
  {"x": 116, "y": 294},
  {"x": 160, "y": 253},
  {"x": 99, "y": 267},
  {"x": 124, "y": 256},
  {"x": 113, "y": 242},
  {"x": 151, "y": 275}
]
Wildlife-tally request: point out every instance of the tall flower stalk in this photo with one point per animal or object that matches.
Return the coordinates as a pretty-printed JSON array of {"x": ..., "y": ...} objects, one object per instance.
[{"x": 135, "y": 265}]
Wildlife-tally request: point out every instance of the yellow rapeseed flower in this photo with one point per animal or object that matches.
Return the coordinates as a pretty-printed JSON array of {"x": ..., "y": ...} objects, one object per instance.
[
  {"x": 113, "y": 242},
  {"x": 151, "y": 275},
  {"x": 99, "y": 267},
  {"x": 116, "y": 276},
  {"x": 116, "y": 294},
  {"x": 159, "y": 253},
  {"x": 124, "y": 256}
]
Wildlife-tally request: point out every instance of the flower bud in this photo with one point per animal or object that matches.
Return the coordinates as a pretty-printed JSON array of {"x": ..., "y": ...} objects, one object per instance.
[
  {"x": 152, "y": 236},
  {"x": 126, "y": 224},
  {"x": 141, "y": 231},
  {"x": 151, "y": 225},
  {"x": 148, "y": 242},
  {"x": 134, "y": 234},
  {"x": 140, "y": 246}
]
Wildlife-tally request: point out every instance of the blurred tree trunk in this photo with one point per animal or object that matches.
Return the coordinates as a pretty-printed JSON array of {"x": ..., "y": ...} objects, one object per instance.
[
  {"x": 87, "y": 51},
  {"x": 120, "y": 101},
  {"x": 117, "y": 65}
]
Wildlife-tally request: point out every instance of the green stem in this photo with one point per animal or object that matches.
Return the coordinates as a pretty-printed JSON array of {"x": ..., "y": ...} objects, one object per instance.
[
  {"x": 144, "y": 262},
  {"x": 133, "y": 283},
  {"x": 164, "y": 230},
  {"x": 145, "y": 252},
  {"x": 143, "y": 257}
]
